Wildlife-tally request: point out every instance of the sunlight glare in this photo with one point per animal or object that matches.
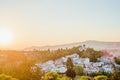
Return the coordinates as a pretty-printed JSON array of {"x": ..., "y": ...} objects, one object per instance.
[{"x": 5, "y": 36}]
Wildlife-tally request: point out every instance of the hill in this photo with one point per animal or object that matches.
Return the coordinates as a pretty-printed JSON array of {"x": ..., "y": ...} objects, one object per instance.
[{"x": 97, "y": 45}]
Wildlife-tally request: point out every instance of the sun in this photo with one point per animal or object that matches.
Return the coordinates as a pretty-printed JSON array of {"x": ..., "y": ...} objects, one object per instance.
[{"x": 6, "y": 36}]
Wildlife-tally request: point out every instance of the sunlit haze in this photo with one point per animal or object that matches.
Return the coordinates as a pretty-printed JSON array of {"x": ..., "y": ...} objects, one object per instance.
[
  {"x": 52, "y": 22},
  {"x": 5, "y": 36}
]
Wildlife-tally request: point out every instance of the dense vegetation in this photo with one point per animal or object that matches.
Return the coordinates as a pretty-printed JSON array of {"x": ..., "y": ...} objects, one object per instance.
[
  {"x": 117, "y": 60},
  {"x": 91, "y": 54},
  {"x": 19, "y": 64}
]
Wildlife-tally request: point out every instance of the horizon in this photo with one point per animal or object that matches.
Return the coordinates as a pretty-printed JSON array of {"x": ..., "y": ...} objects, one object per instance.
[
  {"x": 40, "y": 23},
  {"x": 74, "y": 44}
]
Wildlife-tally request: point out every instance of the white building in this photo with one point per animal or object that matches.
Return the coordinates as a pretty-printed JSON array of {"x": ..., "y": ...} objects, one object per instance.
[
  {"x": 61, "y": 70},
  {"x": 83, "y": 47},
  {"x": 91, "y": 70},
  {"x": 89, "y": 67},
  {"x": 107, "y": 68},
  {"x": 58, "y": 61},
  {"x": 106, "y": 59},
  {"x": 98, "y": 64},
  {"x": 64, "y": 59},
  {"x": 75, "y": 55}
]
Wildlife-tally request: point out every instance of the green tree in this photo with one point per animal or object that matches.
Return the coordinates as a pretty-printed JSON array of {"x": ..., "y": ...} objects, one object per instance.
[
  {"x": 70, "y": 73},
  {"x": 79, "y": 70},
  {"x": 117, "y": 60},
  {"x": 116, "y": 75},
  {"x": 69, "y": 63},
  {"x": 21, "y": 69},
  {"x": 51, "y": 76},
  {"x": 36, "y": 73},
  {"x": 101, "y": 77},
  {"x": 91, "y": 54},
  {"x": 24, "y": 72}
]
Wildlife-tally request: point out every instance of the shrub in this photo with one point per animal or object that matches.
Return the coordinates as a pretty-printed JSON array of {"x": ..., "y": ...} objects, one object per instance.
[
  {"x": 85, "y": 78},
  {"x": 101, "y": 77},
  {"x": 79, "y": 70},
  {"x": 70, "y": 73},
  {"x": 51, "y": 76},
  {"x": 5, "y": 77}
]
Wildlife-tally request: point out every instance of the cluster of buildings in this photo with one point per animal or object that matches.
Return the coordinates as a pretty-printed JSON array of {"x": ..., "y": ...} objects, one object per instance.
[{"x": 89, "y": 67}]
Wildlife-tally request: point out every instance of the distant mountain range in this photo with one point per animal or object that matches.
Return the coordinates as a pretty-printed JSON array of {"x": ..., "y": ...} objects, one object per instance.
[{"x": 97, "y": 45}]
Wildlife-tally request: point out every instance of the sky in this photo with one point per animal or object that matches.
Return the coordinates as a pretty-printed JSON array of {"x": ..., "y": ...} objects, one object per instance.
[{"x": 54, "y": 22}]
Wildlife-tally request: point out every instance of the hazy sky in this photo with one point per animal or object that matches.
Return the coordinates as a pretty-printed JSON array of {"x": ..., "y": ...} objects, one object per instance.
[{"x": 51, "y": 22}]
